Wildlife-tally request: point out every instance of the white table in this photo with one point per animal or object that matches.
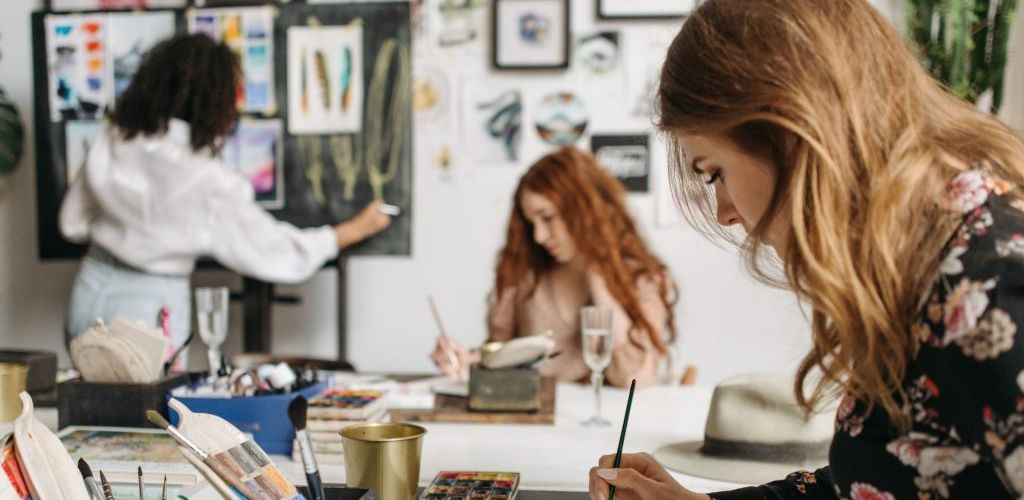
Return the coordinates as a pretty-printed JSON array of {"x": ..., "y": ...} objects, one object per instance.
[{"x": 548, "y": 457}]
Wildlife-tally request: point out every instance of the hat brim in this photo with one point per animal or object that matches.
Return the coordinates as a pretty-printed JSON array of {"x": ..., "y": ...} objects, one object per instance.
[{"x": 686, "y": 458}]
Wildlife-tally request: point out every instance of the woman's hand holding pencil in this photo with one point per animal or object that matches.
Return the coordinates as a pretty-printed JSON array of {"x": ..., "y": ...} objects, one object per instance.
[{"x": 639, "y": 476}]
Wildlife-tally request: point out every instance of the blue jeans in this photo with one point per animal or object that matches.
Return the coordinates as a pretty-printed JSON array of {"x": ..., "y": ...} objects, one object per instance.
[{"x": 105, "y": 288}]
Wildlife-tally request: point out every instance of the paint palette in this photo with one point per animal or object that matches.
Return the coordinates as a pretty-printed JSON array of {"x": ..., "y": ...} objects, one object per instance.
[{"x": 468, "y": 485}]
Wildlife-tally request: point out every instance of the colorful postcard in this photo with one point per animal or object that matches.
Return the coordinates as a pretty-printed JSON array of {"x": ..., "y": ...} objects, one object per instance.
[
  {"x": 325, "y": 79},
  {"x": 256, "y": 150},
  {"x": 249, "y": 31}
]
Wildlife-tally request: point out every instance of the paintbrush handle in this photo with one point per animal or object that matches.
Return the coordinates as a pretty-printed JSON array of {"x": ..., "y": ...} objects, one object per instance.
[
  {"x": 229, "y": 477},
  {"x": 216, "y": 482},
  {"x": 316, "y": 487},
  {"x": 94, "y": 489}
]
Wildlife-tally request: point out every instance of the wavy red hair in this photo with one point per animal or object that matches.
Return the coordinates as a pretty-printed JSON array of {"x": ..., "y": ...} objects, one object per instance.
[{"x": 592, "y": 204}]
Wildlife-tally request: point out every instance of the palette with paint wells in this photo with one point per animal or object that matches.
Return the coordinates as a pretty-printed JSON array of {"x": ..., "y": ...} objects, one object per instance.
[{"x": 472, "y": 485}]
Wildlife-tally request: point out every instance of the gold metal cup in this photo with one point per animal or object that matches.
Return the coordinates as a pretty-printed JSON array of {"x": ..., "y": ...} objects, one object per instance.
[
  {"x": 384, "y": 458},
  {"x": 12, "y": 382}
]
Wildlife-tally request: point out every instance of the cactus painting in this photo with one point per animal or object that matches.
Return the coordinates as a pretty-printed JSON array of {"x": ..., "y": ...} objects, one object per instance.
[{"x": 964, "y": 44}]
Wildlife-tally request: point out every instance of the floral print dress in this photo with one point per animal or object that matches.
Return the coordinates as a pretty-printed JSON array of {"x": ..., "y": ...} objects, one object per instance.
[{"x": 965, "y": 387}]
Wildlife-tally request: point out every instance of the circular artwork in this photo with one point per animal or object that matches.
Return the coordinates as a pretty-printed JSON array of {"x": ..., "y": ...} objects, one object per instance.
[{"x": 561, "y": 118}]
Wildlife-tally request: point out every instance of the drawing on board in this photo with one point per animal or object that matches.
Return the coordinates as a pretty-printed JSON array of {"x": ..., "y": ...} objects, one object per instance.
[
  {"x": 325, "y": 88},
  {"x": 492, "y": 123},
  {"x": 386, "y": 123},
  {"x": 131, "y": 35},
  {"x": 561, "y": 118},
  {"x": 79, "y": 85},
  {"x": 79, "y": 137},
  {"x": 256, "y": 151},
  {"x": 249, "y": 31}
]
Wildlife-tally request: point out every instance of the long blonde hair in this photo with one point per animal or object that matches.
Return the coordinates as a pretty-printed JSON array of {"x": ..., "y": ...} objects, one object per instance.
[{"x": 863, "y": 142}]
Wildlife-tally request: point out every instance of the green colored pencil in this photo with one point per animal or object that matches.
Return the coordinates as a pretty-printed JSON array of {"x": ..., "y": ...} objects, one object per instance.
[{"x": 622, "y": 436}]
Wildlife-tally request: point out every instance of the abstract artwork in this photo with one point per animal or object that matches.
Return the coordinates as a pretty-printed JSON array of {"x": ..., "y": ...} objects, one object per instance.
[
  {"x": 530, "y": 34},
  {"x": 256, "y": 151},
  {"x": 627, "y": 157},
  {"x": 325, "y": 84},
  {"x": 92, "y": 58},
  {"x": 249, "y": 31},
  {"x": 131, "y": 35},
  {"x": 493, "y": 122},
  {"x": 561, "y": 118}
]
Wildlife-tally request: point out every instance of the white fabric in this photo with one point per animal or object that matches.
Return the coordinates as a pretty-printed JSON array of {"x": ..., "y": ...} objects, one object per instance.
[{"x": 157, "y": 205}]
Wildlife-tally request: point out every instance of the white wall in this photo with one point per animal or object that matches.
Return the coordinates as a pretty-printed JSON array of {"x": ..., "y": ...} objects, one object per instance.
[{"x": 728, "y": 323}]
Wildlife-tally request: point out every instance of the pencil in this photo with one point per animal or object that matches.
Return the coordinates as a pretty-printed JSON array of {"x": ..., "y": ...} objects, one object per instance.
[
  {"x": 452, "y": 358},
  {"x": 622, "y": 436}
]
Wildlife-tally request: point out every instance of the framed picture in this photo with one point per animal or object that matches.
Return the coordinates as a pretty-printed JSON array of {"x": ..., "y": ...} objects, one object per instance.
[
  {"x": 644, "y": 9},
  {"x": 627, "y": 157},
  {"x": 80, "y": 5},
  {"x": 530, "y": 34}
]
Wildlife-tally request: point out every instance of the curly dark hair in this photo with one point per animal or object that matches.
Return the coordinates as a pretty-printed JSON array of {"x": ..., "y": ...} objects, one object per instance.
[{"x": 189, "y": 77}]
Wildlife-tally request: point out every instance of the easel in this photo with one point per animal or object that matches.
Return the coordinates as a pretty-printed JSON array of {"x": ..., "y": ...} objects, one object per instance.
[{"x": 258, "y": 299}]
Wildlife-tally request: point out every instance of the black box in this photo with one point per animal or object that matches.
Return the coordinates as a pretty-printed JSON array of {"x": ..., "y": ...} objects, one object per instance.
[
  {"x": 113, "y": 404},
  {"x": 42, "y": 368},
  {"x": 333, "y": 492}
]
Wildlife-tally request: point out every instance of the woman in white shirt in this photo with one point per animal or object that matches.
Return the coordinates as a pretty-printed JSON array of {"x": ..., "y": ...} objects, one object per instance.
[{"x": 153, "y": 196}]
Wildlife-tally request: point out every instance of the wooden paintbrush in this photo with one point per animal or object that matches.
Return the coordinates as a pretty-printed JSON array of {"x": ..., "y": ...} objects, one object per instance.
[
  {"x": 622, "y": 436},
  {"x": 90, "y": 481},
  {"x": 206, "y": 458},
  {"x": 297, "y": 414}
]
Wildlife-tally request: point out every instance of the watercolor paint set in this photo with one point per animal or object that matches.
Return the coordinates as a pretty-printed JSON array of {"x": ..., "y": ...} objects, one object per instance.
[{"x": 472, "y": 485}]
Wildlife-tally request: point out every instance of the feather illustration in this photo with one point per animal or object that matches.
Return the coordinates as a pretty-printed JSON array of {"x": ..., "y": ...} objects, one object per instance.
[
  {"x": 320, "y": 62},
  {"x": 346, "y": 78},
  {"x": 304, "y": 89}
]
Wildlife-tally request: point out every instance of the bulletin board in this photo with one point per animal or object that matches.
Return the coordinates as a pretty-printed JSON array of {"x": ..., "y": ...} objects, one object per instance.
[{"x": 328, "y": 108}]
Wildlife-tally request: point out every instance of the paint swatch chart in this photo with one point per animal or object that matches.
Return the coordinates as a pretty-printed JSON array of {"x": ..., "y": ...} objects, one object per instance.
[{"x": 250, "y": 34}]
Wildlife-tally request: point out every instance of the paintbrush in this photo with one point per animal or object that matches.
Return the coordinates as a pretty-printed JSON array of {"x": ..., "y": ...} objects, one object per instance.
[
  {"x": 297, "y": 414},
  {"x": 163, "y": 490},
  {"x": 142, "y": 493},
  {"x": 453, "y": 360},
  {"x": 622, "y": 436},
  {"x": 108, "y": 494},
  {"x": 217, "y": 467},
  {"x": 177, "y": 352},
  {"x": 90, "y": 482}
]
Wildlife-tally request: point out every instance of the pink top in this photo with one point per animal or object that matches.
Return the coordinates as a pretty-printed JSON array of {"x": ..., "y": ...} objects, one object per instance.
[{"x": 555, "y": 306}]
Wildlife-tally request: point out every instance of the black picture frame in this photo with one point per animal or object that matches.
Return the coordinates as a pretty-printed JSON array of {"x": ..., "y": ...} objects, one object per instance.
[
  {"x": 566, "y": 37},
  {"x": 625, "y": 156},
  {"x": 602, "y": 14}
]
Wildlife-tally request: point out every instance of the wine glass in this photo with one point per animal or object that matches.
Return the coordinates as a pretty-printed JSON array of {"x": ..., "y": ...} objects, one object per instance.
[
  {"x": 212, "y": 319},
  {"x": 596, "y": 329}
]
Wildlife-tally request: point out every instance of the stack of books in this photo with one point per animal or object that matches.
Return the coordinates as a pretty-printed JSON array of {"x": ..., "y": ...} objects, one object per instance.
[{"x": 330, "y": 412}]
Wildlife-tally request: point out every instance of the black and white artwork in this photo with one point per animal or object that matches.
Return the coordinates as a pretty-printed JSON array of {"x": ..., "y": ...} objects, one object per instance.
[{"x": 627, "y": 157}]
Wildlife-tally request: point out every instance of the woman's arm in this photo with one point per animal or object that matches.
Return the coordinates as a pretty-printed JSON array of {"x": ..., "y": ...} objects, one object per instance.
[
  {"x": 634, "y": 354},
  {"x": 501, "y": 311}
]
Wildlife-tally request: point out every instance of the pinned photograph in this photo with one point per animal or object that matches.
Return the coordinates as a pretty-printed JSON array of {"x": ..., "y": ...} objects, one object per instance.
[
  {"x": 79, "y": 5},
  {"x": 627, "y": 157},
  {"x": 325, "y": 85},
  {"x": 644, "y": 9},
  {"x": 431, "y": 94},
  {"x": 493, "y": 122},
  {"x": 561, "y": 118},
  {"x": 79, "y": 135},
  {"x": 249, "y": 31},
  {"x": 598, "y": 54},
  {"x": 461, "y": 23},
  {"x": 256, "y": 151},
  {"x": 530, "y": 34}
]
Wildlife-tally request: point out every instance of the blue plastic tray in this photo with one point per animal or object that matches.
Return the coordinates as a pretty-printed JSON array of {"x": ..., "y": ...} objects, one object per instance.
[{"x": 265, "y": 417}]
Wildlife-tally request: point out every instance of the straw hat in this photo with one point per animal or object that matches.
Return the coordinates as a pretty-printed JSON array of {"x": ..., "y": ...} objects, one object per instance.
[{"x": 754, "y": 433}]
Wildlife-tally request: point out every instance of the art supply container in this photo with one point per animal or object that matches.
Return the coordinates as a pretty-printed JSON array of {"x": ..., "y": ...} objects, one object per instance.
[
  {"x": 384, "y": 457},
  {"x": 13, "y": 378}
]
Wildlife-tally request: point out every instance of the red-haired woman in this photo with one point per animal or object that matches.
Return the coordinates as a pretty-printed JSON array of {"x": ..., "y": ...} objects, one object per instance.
[{"x": 571, "y": 243}]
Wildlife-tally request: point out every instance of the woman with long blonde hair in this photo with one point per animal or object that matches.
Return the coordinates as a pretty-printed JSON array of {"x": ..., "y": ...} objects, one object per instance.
[
  {"x": 895, "y": 211},
  {"x": 571, "y": 242}
]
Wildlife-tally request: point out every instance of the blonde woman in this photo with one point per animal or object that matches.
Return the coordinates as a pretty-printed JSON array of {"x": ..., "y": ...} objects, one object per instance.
[{"x": 895, "y": 211}]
